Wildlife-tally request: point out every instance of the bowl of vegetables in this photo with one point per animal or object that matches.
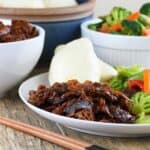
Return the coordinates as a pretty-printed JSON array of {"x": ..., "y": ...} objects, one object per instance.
[{"x": 121, "y": 37}]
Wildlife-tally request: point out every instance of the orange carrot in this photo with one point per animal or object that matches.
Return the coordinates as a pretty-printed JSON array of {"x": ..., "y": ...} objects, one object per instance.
[
  {"x": 146, "y": 32},
  {"x": 116, "y": 27},
  {"x": 146, "y": 76},
  {"x": 134, "y": 16}
]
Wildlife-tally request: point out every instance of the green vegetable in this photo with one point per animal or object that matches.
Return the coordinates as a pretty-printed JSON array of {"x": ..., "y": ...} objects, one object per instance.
[
  {"x": 117, "y": 83},
  {"x": 145, "y": 9},
  {"x": 141, "y": 107},
  {"x": 117, "y": 15},
  {"x": 124, "y": 74},
  {"x": 143, "y": 119},
  {"x": 137, "y": 76},
  {"x": 95, "y": 26},
  {"x": 141, "y": 103},
  {"x": 130, "y": 27},
  {"x": 127, "y": 72},
  {"x": 109, "y": 20},
  {"x": 145, "y": 20},
  {"x": 115, "y": 32}
]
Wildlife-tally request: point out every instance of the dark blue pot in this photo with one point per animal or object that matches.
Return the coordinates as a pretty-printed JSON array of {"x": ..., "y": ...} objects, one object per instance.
[
  {"x": 59, "y": 33},
  {"x": 81, "y": 1}
]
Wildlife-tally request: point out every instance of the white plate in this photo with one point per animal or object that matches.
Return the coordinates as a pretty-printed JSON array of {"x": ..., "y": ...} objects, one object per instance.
[{"x": 91, "y": 127}]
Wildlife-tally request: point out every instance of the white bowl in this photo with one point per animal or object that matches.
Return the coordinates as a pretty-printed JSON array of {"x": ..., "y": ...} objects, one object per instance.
[
  {"x": 17, "y": 59},
  {"x": 118, "y": 49}
]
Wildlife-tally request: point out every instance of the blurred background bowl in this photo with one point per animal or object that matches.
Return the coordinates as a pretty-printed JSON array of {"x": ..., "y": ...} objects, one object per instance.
[
  {"x": 118, "y": 49},
  {"x": 61, "y": 24},
  {"x": 17, "y": 59}
]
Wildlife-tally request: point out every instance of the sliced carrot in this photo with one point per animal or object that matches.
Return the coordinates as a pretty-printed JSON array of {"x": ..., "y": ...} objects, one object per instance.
[
  {"x": 146, "y": 32},
  {"x": 134, "y": 16},
  {"x": 146, "y": 76},
  {"x": 116, "y": 27}
]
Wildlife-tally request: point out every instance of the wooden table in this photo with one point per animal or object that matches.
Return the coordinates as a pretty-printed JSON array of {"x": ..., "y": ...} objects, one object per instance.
[{"x": 12, "y": 107}]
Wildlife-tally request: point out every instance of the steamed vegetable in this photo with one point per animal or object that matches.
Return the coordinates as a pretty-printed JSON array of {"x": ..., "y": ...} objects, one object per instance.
[
  {"x": 124, "y": 74},
  {"x": 145, "y": 20},
  {"x": 95, "y": 26},
  {"x": 134, "y": 16},
  {"x": 128, "y": 72},
  {"x": 141, "y": 107},
  {"x": 117, "y": 83},
  {"x": 136, "y": 84},
  {"x": 146, "y": 77},
  {"x": 124, "y": 22},
  {"x": 141, "y": 103},
  {"x": 145, "y": 9},
  {"x": 117, "y": 15},
  {"x": 131, "y": 27}
]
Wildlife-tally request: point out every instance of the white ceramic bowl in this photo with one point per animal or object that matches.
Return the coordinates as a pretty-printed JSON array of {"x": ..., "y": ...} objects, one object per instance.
[
  {"x": 17, "y": 59},
  {"x": 119, "y": 49}
]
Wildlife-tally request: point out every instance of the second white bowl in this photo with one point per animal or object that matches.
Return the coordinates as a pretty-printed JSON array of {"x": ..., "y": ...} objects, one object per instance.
[
  {"x": 119, "y": 49},
  {"x": 17, "y": 59}
]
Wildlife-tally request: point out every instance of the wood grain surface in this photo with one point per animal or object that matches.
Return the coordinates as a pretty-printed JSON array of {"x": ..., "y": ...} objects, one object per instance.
[{"x": 12, "y": 107}]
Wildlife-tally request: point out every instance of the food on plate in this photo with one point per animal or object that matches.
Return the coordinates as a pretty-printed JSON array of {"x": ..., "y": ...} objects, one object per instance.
[
  {"x": 87, "y": 101},
  {"x": 124, "y": 22},
  {"x": 37, "y": 3},
  {"x": 17, "y": 31},
  {"x": 77, "y": 60},
  {"x": 84, "y": 87},
  {"x": 125, "y": 75},
  {"x": 134, "y": 82}
]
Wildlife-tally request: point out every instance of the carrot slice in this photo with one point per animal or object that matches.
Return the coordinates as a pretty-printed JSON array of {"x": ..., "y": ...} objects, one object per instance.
[
  {"x": 146, "y": 75},
  {"x": 146, "y": 32},
  {"x": 134, "y": 16},
  {"x": 116, "y": 27}
]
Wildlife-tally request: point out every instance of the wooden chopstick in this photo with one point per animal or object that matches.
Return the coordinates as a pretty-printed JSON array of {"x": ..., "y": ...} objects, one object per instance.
[
  {"x": 63, "y": 141},
  {"x": 46, "y": 132}
]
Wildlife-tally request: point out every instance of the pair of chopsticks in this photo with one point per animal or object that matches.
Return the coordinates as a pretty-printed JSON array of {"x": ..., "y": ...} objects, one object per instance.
[{"x": 49, "y": 136}]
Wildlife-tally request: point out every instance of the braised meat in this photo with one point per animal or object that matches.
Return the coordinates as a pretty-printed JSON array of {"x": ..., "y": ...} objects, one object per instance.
[
  {"x": 17, "y": 31},
  {"x": 87, "y": 101}
]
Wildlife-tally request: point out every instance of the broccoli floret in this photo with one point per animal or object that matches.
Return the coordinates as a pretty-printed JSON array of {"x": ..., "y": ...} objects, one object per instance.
[
  {"x": 120, "y": 13},
  {"x": 141, "y": 107},
  {"x": 141, "y": 103},
  {"x": 131, "y": 27},
  {"x": 117, "y": 15},
  {"x": 117, "y": 83},
  {"x": 145, "y": 20},
  {"x": 145, "y": 9},
  {"x": 95, "y": 26},
  {"x": 142, "y": 118},
  {"x": 128, "y": 72},
  {"x": 109, "y": 20}
]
